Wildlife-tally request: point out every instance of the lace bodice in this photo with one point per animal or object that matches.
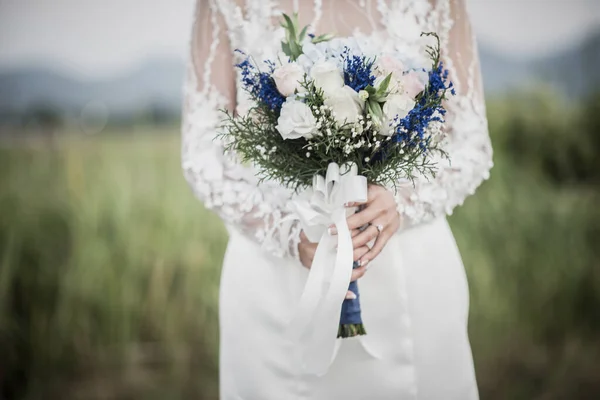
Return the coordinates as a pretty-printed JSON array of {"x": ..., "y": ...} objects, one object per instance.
[{"x": 263, "y": 210}]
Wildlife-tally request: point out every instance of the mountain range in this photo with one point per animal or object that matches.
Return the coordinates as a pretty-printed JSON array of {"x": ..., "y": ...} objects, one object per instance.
[{"x": 574, "y": 72}]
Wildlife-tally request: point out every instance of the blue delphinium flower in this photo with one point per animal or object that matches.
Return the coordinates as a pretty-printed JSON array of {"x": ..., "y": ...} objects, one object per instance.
[
  {"x": 358, "y": 71},
  {"x": 260, "y": 84},
  {"x": 411, "y": 130}
]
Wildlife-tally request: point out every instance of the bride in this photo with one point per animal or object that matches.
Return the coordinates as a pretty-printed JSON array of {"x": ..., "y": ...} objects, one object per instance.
[{"x": 414, "y": 292}]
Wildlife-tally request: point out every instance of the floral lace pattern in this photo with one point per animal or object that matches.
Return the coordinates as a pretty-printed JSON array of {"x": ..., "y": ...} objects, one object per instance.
[{"x": 262, "y": 210}]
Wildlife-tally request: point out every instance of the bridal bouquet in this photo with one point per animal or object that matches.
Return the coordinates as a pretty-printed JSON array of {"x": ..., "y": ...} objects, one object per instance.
[{"x": 328, "y": 118}]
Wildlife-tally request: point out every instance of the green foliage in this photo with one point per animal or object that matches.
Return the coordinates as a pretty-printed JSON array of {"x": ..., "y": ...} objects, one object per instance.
[
  {"x": 378, "y": 95},
  {"x": 292, "y": 45}
]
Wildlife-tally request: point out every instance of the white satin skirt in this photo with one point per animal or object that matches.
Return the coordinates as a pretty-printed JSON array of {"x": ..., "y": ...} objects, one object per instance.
[{"x": 414, "y": 301}]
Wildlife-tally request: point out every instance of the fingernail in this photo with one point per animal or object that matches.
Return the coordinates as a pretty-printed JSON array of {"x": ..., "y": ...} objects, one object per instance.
[
  {"x": 332, "y": 231},
  {"x": 365, "y": 264},
  {"x": 359, "y": 263},
  {"x": 351, "y": 296}
]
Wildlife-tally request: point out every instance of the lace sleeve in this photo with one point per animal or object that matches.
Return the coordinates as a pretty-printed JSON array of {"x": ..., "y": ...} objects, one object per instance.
[
  {"x": 217, "y": 179},
  {"x": 468, "y": 143}
]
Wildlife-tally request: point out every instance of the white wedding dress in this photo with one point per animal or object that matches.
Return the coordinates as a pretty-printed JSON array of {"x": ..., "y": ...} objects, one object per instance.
[{"x": 414, "y": 297}]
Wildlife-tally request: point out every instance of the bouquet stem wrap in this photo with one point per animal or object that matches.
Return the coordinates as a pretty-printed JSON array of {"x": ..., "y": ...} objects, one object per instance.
[
  {"x": 351, "y": 320},
  {"x": 316, "y": 323}
]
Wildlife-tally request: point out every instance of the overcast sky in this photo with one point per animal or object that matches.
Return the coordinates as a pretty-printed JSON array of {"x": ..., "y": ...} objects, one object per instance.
[{"x": 105, "y": 37}]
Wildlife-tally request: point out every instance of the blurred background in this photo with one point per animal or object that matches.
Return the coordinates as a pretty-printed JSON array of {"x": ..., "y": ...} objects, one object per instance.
[{"x": 109, "y": 268}]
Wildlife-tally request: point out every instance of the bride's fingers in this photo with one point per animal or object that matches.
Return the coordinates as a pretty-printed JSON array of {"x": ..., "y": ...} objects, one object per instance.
[
  {"x": 359, "y": 219},
  {"x": 350, "y": 295},
  {"x": 353, "y": 232},
  {"x": 359, "y": 252},
  {"x": 358, "y": 273},
  {"x": 371, "y": 232},
  {"x": 380, "y": 242},
  {"x": 367, "y": 235}
]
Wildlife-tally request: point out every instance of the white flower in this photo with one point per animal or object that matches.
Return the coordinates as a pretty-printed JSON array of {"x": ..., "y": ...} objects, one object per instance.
[
  {"x": 397, "y": 105},
  {"x": 288, "y": 78},
  {"x": 345, "y": 104},
  {"x": 327, "y": 76},
  {"x": 312, "y": 51},
  {"x": 296, "y": 120},
  {"x": 363, "y": 94}
]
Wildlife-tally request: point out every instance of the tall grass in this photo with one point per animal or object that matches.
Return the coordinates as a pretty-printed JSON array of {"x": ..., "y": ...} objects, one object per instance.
[
  {"x": 109, "y": 268},
  {"x": 108, "y": 265}
]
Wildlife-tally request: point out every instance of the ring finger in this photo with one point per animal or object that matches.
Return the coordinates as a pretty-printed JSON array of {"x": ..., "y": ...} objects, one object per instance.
[
  {"x": 368, "y": 234},
  {"x": 359, "y": 252}
]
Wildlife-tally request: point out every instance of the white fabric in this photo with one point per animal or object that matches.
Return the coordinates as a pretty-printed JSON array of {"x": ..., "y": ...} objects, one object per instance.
[
  {"x": 414, "y": 296},
  {"x": 414, "y": 303}
]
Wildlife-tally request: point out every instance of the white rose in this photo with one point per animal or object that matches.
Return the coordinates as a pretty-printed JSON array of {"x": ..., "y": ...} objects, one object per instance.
[
  {"x": 288, "y": 78},
  {"x": 296, "y": 120},
  {"x": 397, "y": 105},
  {"x": 327, "y": 76},
  {"x": 346, "y": 104},
  {"x": 312, "y": 52}
]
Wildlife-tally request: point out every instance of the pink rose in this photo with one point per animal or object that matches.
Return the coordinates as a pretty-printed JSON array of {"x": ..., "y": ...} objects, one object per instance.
[
  {"x": 288, "y": 78},
  {"x": 386, "y": 65},
  {"x": 412, "y": 84}
]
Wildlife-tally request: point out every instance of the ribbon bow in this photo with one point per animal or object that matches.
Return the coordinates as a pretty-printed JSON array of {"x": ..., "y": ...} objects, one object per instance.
[{"x": 314, "y": 327}]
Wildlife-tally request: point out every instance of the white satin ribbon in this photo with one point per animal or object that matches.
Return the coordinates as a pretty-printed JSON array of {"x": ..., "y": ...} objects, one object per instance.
[{"x": 315, "y": 324}]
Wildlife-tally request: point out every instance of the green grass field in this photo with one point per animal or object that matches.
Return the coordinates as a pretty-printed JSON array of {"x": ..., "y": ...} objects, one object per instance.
[{"x": 109, "y": 272}]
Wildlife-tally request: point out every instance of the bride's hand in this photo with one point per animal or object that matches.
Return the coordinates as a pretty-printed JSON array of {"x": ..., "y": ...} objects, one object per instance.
[
  {"x": 381, "y": 215},
  {"x": 307, "y": 249}
]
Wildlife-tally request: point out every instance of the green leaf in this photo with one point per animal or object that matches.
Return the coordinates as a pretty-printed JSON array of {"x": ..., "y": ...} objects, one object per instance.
[
  {"x": 290, "y": 28},
  {"x": 285, "y": 47},
  {"x": 302, "y": 34},
  {"x": 322, "y": 38},
  {"x": 295, "y": 50},
  {"x": 374, "y": 109},
  {"x": 383, "y": 87},
  {"x": 296, "y": 21},
  {"x": 377, "y": 97}
]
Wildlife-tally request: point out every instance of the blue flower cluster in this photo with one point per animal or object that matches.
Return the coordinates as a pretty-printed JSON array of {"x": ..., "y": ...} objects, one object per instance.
[
  {"x": 358, "y": 72},
  {"x": 428, "y": 109},
  {"x": 261, "y": 85},
  {"x": 438, "y": 81}
]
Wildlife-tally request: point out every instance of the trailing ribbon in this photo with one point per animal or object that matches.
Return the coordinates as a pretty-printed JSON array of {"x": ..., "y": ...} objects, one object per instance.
[{"x": 315, "y": 325}]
